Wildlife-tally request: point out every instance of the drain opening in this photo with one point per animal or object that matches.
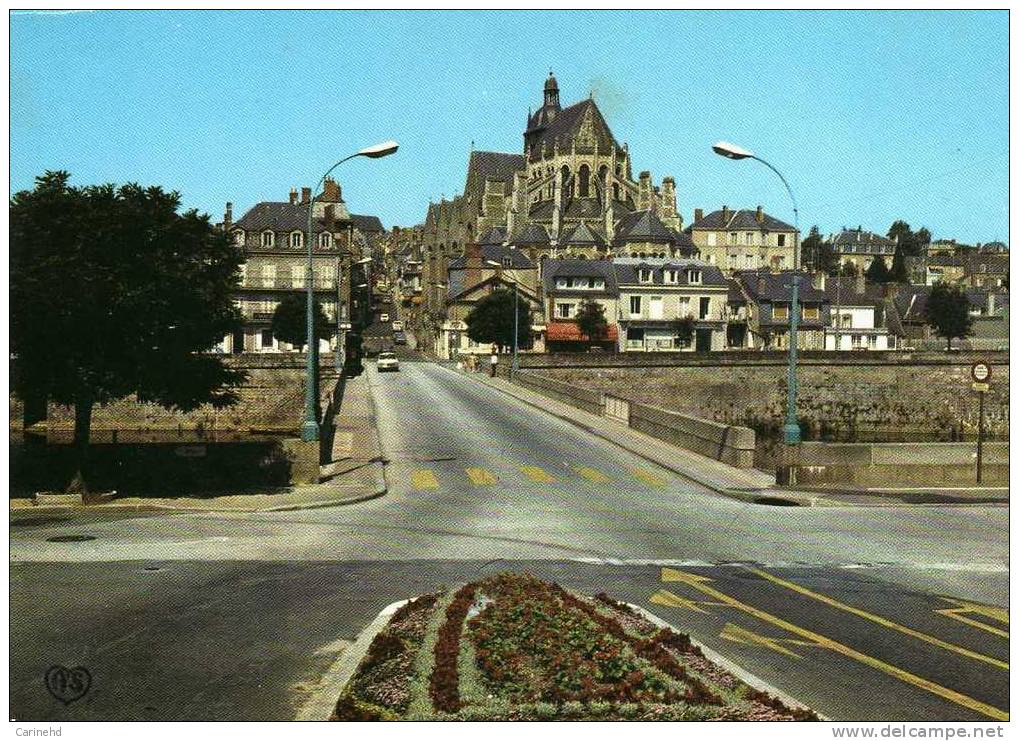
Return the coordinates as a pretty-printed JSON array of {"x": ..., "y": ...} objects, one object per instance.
[
  {"x": 70, "y": 538},
  {"x": 776, "y": 502},
  {"x": 29, "y": 521}
]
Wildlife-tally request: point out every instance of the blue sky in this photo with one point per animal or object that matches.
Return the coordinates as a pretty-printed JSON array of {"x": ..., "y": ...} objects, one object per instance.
[{"x": 871, "y": 116}]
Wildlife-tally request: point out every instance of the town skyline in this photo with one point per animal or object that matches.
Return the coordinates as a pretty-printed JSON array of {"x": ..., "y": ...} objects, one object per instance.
[{"x": 928, "y": 174}]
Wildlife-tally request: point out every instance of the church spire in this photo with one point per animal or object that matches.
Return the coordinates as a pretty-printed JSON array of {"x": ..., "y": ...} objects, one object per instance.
[{"x": 551, "y": 92}]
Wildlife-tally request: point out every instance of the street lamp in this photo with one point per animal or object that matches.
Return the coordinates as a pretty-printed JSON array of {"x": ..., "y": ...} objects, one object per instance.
[
  {"x": 735, "y": 152},
  {"x": 309, "y": 430}
]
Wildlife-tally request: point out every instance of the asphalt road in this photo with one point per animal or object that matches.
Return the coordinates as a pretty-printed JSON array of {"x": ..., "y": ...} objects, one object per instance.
[{"x": 864, "y": 613}]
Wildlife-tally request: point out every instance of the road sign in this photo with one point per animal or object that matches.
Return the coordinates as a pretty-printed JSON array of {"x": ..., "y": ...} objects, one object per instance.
[
  {"x": 983, "y": 388},
  {"x": 981, "y": 372}
]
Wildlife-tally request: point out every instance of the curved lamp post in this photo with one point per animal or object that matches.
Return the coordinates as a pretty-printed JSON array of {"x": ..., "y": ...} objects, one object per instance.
[
  {"x": 309, "y": 430},
  {"x": 791, "y": 429}
]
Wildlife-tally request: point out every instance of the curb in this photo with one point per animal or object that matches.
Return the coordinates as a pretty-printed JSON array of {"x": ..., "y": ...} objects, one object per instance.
[
  {"x": 320, "y": 705},
  {"x": 736, "y": 670}
]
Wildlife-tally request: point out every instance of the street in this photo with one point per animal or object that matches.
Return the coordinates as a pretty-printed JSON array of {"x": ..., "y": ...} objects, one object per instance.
[{"x": 890, "y": 612}]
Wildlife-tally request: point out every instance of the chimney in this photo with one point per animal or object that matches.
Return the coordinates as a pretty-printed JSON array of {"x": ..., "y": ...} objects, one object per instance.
[
  {"x": 726, "y": 213},
  {"x": 698, "y": 214},
  {"x": 305, "y": 195},
  {"x": 293, "y": 196},
  {"x": 228, "y": 215},
  {"x": 760, "y": 215},
  {"x": 331, "y": 191}
]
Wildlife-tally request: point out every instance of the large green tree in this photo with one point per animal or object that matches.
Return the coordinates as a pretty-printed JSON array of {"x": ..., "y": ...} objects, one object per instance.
[
  {"x": 899, "y": 272},
  {"x": 113, "y": 293},
  {"x": 947, "y": 312},
  {"x": 591, "y": 320},
  {"x": 290, "y": 320},
  {"x": 877, "y": 271},
  {"x": 910, "y": 243},
  {"x": 818, "y": 254},
  {"x": 491, "y": 320}
]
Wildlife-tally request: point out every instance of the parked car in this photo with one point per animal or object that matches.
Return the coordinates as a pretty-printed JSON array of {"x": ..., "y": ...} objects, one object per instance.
[
  {"x": 383, "y": 318},
  {"x": 387, "y": 362},
  {"x": 399, "y": 338},
  {"x": 397, "y": 325}
]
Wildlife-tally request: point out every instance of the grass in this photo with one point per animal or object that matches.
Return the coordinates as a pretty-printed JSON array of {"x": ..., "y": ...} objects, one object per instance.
[{"x": 512, "y": 647}]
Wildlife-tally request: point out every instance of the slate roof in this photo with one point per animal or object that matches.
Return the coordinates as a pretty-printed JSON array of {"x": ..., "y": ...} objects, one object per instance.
[
  {"x": 496, "y": 253},
  {"x": 863, "y": 241},
  {"x": 842, "y": 289},
  {"x": 564, "y": 126},
  {"x": 278, "y": 217},
  {"x": 582, "y": 236},
  {"x": 644, "y": 226},
  {"x": 745, "y": 219},
  {"x": 532, "y": 235},
  {"x": 626, "y": 271},
  {"x": 495, "y": 235},
  {"x": 366, "y": 223},
  {"x": 577, "y": 208},
  {"x": 993, "y": 263},
  {"x": 457, "y": 286},
  {"x": 763, "y": 285},
  {"x": 484, "y": 166},
  {"x": 552, "y": 269},
  {"x": 735, "y": 292}
]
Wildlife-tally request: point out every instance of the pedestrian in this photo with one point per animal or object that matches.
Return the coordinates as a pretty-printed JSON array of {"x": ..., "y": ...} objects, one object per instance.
[{"x": 495, "y": 361}]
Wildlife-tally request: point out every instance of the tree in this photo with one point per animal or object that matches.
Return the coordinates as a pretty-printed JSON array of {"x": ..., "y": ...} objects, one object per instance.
[
  {"x": 849, "y": 270},
  {"x": 113, "y": 293},
  {"x": 947, "y": 312},
  {"x": 899, "y": 273},
  {"x": 290, "y": 320},
  {"x": 683, "y": 329},
  {"x": 877, "y": 272},
  {"x": 912, "y": 244},
  {"x": 591, "y": 320},
  {"x": 491, "y": 320},
  {"x": 810, "y": 249}
]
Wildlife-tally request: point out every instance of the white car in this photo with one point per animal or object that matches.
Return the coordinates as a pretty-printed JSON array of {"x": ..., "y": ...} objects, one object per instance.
[
  {"x": 384, "y": 318},
  {"x": 387, "y": 362},
  {"x": 397, "y": 325}
]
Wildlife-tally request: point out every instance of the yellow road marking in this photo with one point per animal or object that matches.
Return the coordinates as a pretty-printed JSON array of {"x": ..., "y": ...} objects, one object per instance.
[
  {"x": 668, "y": 599},
  {"x": 649, "y": 478},
  {"x": 884, "y": 622},
  {"x": 593, "y": 475},
  {"x": 961, "y": 607},
  {"x": 423, "y": 478},
  {"x": 537, "y": 475},
  {"x": 699, "y": 583},
  {"x": 736, "y": 634},
  {"x": 481, "y": 476}
]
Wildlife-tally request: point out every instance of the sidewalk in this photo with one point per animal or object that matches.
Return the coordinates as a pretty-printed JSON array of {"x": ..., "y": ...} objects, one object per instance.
[{"x": 355, "y": 473}]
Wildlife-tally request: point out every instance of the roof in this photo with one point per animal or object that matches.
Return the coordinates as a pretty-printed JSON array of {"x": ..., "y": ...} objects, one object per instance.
[
  {"x": 577, "y": 208},
  {"x": 843, "y": 290},
  {"x": 531, "y": 235},
  {"x": 570, "y": 332},
  {"x": 626, "y": 271},
  {"x": 735, "y": 292},
  {"x": 367, "y": 223},
  {"x": 742, "y": 219},
  {"x": 565, "y": 125},
  {"x": 457, "y": 289},
  {"x": 644, "y": 226},
  {"x": 278, "y": 217},
  {"x": 482, "y": 166},
  {"x": 582, "y": 235},
  {"x": 572, "y": 268},
  {"x": 495, "y": 235},
  {"x": 497, "y": 253},
  {"x": 858, "y": 239},
  {"x": 762, "y": 285}
]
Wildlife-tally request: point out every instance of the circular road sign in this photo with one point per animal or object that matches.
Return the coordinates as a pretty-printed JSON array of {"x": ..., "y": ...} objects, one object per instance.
[{"x": 981, "y": 372}]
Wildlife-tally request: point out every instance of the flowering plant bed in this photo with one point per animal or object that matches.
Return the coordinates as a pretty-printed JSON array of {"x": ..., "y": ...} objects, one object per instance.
[{"x": 513, "y": 647}]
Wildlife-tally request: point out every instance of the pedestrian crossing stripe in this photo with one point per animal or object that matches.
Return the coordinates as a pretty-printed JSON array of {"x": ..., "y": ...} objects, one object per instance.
[
  {"x": 481, "y": 476},
  {"x": 424, "y": 478},
  {"x": 648, "y": 478},
  {"x": 593, "y": 475},
  {"x": 537, "y": 475}
]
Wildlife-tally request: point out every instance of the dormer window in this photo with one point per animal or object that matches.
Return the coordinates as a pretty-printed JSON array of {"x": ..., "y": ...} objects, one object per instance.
[
  {"x": 693, "y": 277},
  {"x": 268, "y": 239},
  {"x": 296, "y": 240},
  {"x": 238, "y": 235},
  {"x": 325, "y": 241},
  {"x": 507, "y": 262},
  {"x": 645, "y": 275},
  {"x": 670, "y": 276}
]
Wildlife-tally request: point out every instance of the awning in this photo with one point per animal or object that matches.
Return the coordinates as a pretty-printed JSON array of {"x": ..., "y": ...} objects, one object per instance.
[{"x": 569, "y": 332}]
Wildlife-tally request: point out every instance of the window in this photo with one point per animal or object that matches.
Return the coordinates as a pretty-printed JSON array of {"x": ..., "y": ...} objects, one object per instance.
[
  {"x": 684, "y": 306},
  {"x": 780, "y": 312},
  {"x": 635, "y": 305},
  {"x": 507, "y": 262},
  {"x": 670, "y": 276},
  {"x": 585, "y": 177},
  {"x": 296, "y": 240},
  {"x": 268, "y": 276},
  {"x": 268, "y": 239},
  {"x": 705, "y": 307},
  {"x": 297, "y": 276},
  {"x": 781, "y": 240},
  {"x": 730, "y": 262},
  {"x": 325, "y": 240},
  {"x": 693, "y": 277},
  {"x": 733, "y": 237},
  {"x": 712, "y": 237},
  {"x": 328, "y": 275},
  {"x": 244, "y": 274},
  {"x": 749, "y": 261},
  {"x": 655, "y": 307},
  {"x": 811, "y": 313},
  {"x": 748, "y": 237},
  {"x": 266, "y": 338},
  {"x": 644, "y": 275},
  {"x": 566, "y": 184},
  {"x": 564, "y": 311}
]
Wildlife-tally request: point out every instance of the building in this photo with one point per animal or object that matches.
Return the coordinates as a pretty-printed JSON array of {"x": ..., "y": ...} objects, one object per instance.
[
  {"x": 943, "y": 268},
  {"x": 857, "y": 315},
  {"x": 859, "y": 248},
  {"x": 769, "y": 296},
  {"x": 747, "y": 239},
  {"x": 643, "y": 234},
  {"x": 985, "y": 269},
  {"x": 656, "y": 292},
  {"x": 989, "y": 309},
  {"x": 566, "y": 284},
  {"x": 272, "y": 235}
]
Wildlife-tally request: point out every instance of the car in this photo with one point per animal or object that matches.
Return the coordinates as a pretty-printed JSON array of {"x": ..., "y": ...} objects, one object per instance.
[
  {"x": 384, "y": 317},
  {"x": 399, "y": 338},
  {"x": 387, "y": 362},
  {"x": 397, "y": 325}
]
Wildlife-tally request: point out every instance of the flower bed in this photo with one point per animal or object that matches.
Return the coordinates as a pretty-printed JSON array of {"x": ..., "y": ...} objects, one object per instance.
[{"x": 512, "y": 647}]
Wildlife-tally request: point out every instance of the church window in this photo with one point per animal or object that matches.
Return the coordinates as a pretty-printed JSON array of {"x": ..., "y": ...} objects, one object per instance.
[
  {"x": 603, "y": 173},
  {"x": 585, "y": 176},
  {"x": 615, "y": 191},
  {"x": 567, "y": 185}
]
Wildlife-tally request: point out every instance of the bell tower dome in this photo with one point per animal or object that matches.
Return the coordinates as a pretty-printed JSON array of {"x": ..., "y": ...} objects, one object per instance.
[{"x": 551, "y": 92}]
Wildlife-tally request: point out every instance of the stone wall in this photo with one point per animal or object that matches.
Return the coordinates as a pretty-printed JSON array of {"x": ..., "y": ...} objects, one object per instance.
[{"x": 895, "y": 401}]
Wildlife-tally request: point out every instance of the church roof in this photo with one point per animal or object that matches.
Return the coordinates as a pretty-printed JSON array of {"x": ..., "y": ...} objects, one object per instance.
[
  {"x": 566, "y": 125},
  {"x": 644, "y": 226},
  {"x": 495, "y": 235},
  {"x": 532, "y": 235},
  {"x": 582, "y": 235},
  {"x": 484, "y": 166}
]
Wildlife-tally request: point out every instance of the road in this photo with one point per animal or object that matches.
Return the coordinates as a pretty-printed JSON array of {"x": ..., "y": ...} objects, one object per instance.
[{"x": 864, "y": 613}]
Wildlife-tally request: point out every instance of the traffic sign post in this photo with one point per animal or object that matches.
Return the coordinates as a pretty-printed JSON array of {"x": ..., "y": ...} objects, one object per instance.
[{"x": 981, "y": 373}]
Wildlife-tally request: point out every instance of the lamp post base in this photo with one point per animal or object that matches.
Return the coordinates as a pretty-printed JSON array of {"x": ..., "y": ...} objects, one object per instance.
[
  {"x": 309, "y": 431},
  {"x": 792, "y": 434}
]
